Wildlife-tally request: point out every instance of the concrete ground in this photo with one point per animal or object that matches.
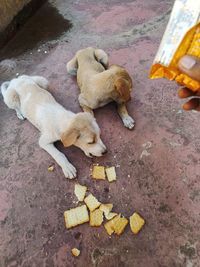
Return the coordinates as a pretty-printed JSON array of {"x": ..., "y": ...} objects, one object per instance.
[{"x": 157, "y": 163}]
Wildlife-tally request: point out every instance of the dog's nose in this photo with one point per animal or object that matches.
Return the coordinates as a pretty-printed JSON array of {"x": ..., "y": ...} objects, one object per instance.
[{"x": 105, "y": 151}]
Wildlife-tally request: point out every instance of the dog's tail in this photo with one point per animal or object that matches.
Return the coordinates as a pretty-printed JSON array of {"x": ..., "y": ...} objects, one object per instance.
[
  {"x": 4, "y": 87},
  {"x": 123, "y": 87}
]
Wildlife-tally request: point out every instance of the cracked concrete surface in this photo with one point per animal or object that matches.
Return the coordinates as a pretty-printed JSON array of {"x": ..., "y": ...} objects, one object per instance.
[{"x": 163, "y": 186}]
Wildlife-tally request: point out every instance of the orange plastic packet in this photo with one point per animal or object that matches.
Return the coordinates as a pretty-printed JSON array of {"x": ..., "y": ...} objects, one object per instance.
[{"x": 181, "y": 37}]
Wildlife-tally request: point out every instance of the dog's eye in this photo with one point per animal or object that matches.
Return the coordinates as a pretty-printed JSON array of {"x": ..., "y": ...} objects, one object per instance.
[{"x": 91, "y": 143}]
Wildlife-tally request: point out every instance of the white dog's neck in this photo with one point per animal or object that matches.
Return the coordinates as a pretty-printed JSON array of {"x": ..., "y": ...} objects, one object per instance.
[{"x": 65, "y": 120}]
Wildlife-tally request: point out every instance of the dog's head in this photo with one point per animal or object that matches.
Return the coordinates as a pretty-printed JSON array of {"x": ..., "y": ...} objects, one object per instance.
[
  {"x": 123, "y": 84},
  {"x": 97, "y": 54},
  {"x": 84, "y": 133}
]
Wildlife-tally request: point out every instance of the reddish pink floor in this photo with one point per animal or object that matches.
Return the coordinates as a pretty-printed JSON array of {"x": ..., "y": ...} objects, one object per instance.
[{"x": 157, "y": 163}]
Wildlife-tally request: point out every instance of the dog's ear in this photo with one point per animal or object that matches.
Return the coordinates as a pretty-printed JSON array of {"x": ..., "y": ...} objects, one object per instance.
[
  {"x": 101, "y": 57},
  {"x": 72, "y": 66},
  {"x": 69, "y": 137},
  {"x": 4, "y": 87},
  {"x": 122, "y": 86}
]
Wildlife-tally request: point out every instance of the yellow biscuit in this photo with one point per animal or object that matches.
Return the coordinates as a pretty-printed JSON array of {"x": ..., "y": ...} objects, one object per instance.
[
  {"x": 80, "y": 191},
  {"x": 136, "y": 223},
  {"x": 116, "y": 225},
  {"x": 106, "y": 208},
  {"x": 111, "y": 174},
  {"x": 109, "y": 226},
  {"x": 76, "y": 216},
  {"x": 120, "y": 225},
  {"x": 96, "y": 217},
  {"x": 110, "y": 215},
  {"x": 91, "y": 202},
  {"x": 98, "y": 172}
]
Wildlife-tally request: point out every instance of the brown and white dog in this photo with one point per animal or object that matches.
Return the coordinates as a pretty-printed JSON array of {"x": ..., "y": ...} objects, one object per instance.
[
  {"x": 28, "y": 96},
  {"x": 100, "y": 84}
]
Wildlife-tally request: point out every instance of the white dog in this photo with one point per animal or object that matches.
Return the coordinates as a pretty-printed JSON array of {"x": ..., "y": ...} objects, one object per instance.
[{"x": 28, "y": 97}]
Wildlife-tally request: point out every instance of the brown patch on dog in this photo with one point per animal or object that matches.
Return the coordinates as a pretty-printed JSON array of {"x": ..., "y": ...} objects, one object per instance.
[{"x": 122, "y": 86}]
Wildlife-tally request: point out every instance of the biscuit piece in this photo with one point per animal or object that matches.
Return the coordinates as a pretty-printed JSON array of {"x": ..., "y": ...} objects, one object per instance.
[
  {"x": 120, "y": 225},
  {"x": 80, "y": 191},
  {"x": 76, "y": 216},
  {"x": 75, "y": 252},
  {"x": 116, "y": 225},
  {"x": 106, "y": 208},
  {"x": 110, "y": 215},
  {"x": 109, "y": 226},
  {"x": 111, "y": 174},
  {"x": 96, "y": 217},
  {"x": 91, "y": 202},
  {"x": 136, "y": 223},
  {"x": 98, "y": 172}
]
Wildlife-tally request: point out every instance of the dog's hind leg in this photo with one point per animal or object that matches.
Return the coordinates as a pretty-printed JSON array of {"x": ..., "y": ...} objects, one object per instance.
[
  {"x": 123, "y": 113},
  {"x": 11, "y": 99}
]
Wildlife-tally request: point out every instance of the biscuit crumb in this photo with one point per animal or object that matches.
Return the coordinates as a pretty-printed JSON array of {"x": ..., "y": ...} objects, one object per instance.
[
  {"x": 75, "y": 252},
  {"x": 51, "y": 168}
]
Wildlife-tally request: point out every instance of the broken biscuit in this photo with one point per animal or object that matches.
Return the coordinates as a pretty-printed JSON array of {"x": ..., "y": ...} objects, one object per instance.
[
  {"x": 75, "y": 252},
  {"x": 116, "y": 225},
  {"x": 120, "y": 225},
  {"x": 111, "y": 174},
  {"x": 98, "y": 172},
  {"x": 109, "y": 226},
  {"x": 91, "y": 202},
  {"x": 76, "y": 216},
  {"x": 106, "y": 208},
  {"x": 96, "y": 217},
  {"x": 80, "y": 191},
  {"x": 110, "y": 215},
  {"x": 136, "y": 222}
]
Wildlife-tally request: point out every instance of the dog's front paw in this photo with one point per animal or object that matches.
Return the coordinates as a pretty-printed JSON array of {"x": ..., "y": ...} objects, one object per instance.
[
  {"x": 129, "y": 122},
  {"x": 69, "y": 171}
]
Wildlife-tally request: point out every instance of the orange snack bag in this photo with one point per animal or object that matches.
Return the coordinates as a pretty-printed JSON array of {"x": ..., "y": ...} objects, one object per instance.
[{"x": 181, "y": 37}]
